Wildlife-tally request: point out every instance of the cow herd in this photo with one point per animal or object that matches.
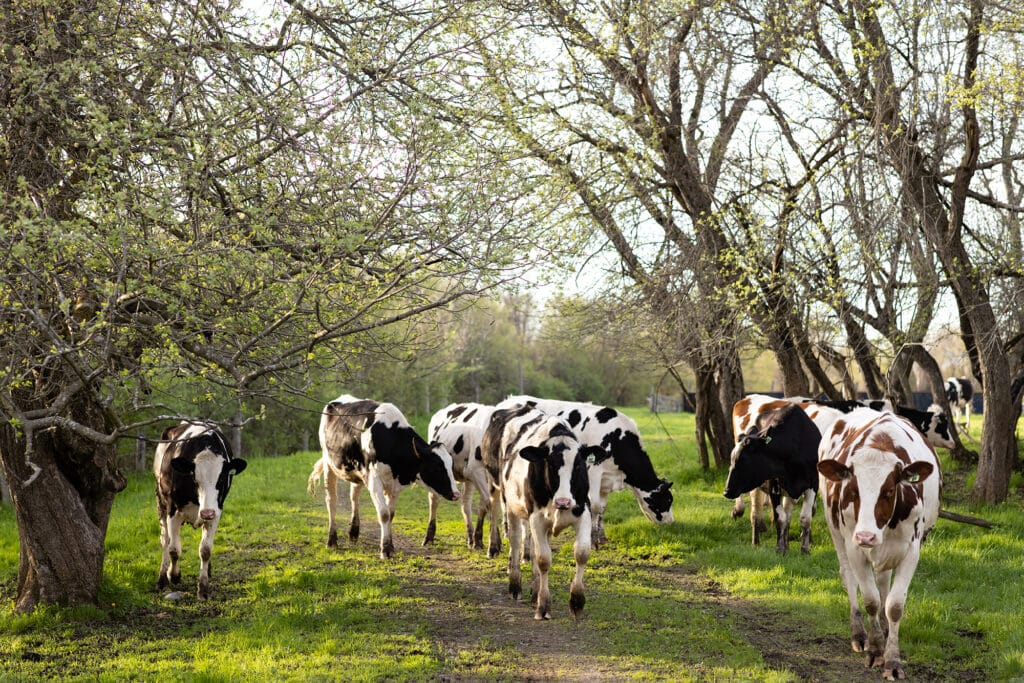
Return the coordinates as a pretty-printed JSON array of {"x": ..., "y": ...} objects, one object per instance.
[{"x": 539, "y": 466}]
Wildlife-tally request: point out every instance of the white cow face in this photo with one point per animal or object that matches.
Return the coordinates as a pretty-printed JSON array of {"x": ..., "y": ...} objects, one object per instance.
[{"x": 212, "y": 475}]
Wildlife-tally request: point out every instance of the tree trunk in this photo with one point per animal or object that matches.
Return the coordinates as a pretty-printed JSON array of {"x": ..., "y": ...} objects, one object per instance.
[{"x": 62, "y": 492}]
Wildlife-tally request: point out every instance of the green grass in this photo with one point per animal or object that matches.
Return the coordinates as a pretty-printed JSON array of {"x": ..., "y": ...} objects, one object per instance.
[{"x": 680, "y": 602}]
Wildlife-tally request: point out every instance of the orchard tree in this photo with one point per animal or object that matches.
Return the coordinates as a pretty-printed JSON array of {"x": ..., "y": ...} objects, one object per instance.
[{"x": 189, "y": 190}]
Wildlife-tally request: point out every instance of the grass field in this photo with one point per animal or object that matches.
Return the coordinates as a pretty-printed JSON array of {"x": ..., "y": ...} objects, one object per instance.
[{"x": 687, "y": 601}]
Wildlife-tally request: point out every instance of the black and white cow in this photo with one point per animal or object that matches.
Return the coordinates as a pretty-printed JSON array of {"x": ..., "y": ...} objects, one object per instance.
[
  {"x": 537, "y": 468},
  {"x": 960, "y": 393},
  {"x": 621, "y": 463},
  {"x": 371, "y": 444},
  {"x": 933, "y": 424},
  {"x": 775, "y": 456},
  {"x": 880, "y": 484},
  {"x": 193, "y": 466},
  {"x": 460, "y": 427}
]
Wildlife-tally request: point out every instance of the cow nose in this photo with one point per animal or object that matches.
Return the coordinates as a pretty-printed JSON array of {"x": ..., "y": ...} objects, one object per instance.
[
  {"x": 207, "y": 515},
  {"x": 866, "y": 539},
  {"x": 563, "y": 503}
]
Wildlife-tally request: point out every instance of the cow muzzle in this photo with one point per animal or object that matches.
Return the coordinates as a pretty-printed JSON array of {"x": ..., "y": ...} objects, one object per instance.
[
  {"x": 563, "y": 503},
  {"x": 207, "y": 515},
  {"x": 866, "y": 539}
]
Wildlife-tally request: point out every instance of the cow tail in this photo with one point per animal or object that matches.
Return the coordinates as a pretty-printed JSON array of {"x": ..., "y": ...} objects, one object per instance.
[{"x": 318, "y": 475}]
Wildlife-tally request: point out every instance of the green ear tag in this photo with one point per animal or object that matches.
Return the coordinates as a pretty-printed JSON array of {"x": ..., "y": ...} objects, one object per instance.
[
  {"x": 913, "y": 477},
  {"x": 767, "y": 439},
  {"x": 591, "y": 459}
]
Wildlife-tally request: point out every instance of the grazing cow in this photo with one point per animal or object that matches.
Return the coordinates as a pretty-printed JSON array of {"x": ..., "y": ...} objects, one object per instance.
[
  {"x": 933, "y": 424},
  {"x": 622, "y": 461},
  {"x": 776, "y": 454},
  {"x": 371, "y": 444},
  {"x": 193, "y": 468},
  {"x": 538, "y": 468},
  {"x": 880, "y": 484},
  {"x": 959, "y": 393},
  {"x": 460, "y": 427}
]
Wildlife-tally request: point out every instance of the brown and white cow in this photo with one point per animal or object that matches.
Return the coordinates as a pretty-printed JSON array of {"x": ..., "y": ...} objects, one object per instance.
[
  {"x": 193, "y": 466},
  {"x": 537, "y": 467},
  {"x": 460, "y": 427},
  {"x": 620, "y": 463},
  {"x": 880, "y": 484},
  {"x": 371, "y": 444}
]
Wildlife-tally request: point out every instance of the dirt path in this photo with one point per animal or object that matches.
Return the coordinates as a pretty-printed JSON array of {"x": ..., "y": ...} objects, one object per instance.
[{"x": 477, "y": 611}]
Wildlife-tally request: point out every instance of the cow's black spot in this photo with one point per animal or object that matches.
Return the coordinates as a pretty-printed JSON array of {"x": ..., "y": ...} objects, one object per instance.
[
  {"x": 605, "y": 414},
  {"x": 457, "y": 448}
]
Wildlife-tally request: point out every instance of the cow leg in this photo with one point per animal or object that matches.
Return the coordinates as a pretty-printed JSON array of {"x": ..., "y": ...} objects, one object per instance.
[
  {"x": 495, "y": 507},
  {"x": 967, "y": 416},
  {"x": 866, "y": 580},
  {"x": 205, "y": 553},
  {"x": 738, "y": 507},
  {"x": 467, "y": 511},
  {"x": 515, "y": 546},
  {"x": 541, "y": 565},
  {"x": 433, "y": 499},
  {"x": 895, "y": 604},
  {"x": 806, "y": 516},
  {"x": 163, "y": 578},
  {"x": 483, "y": 510},
  {"x": 173, "y": 548},
  {"x": 581, "y": 553},
  {"x": 782, "y": 507},
  {"x": 858, "y": 637},
  {"x": 384, "y": 508},
  {"x": 354, "y": 491},
  {"x": 331, "y": 498},
  {"x": 757, "y": 525}
]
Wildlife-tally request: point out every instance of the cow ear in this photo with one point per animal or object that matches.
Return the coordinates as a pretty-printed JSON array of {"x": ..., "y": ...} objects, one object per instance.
[
  {"x": 917, "y": 471},
  {"x": 833, "y": 470},
  {"x": 183, "y": 466},
  {"x": 594, "y": 454},
  {"x": 534, "y": 453},
  {"x": 237, "y": 465}
]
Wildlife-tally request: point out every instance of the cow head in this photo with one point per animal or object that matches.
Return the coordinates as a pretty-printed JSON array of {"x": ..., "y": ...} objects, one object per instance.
[
  {"x": 212, "y": 472},
  {"x": 749, "y": 465},
  {"x": 657, "y": 504},
  {"x": 436, "y": 468},
  {"x": 561, "y": 469},
  {"x": 937, "y": 431},
  {"x": 881, "y": 492}
]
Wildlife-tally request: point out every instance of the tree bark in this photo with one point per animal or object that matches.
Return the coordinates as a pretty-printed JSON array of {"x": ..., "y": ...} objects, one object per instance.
[{"x": 62, "y": 510}]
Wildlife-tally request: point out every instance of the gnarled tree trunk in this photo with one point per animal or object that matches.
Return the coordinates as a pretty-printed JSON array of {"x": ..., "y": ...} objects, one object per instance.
[{"x": 62, "y": 492}]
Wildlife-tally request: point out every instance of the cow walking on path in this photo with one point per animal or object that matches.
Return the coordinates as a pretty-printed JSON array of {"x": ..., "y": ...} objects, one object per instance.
[
  {"x": 538, "y": 468},
  {"x": 372, "y": 445},
  {"x": 193, "y": 466},
  {"x": 880, "y": 484}
]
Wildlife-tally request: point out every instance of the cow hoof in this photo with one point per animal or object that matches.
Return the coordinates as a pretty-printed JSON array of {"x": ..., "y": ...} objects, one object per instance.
[
  {"x": 332, "y": 539},
  {"x": 873, "y": 659},
  {"x": 429, "y": 538},
  {"x": 542, "y": 616},
  {"x": 176, "y": 578},
  {"x": 204, "y": 594},
  {"x": 736, "y": 514},
  {"x": 893, "y": 671},
  {"x": 859, "y": 643},
  {"x": 576, "y": 603},
  {"x": 161, "y": 582}
]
